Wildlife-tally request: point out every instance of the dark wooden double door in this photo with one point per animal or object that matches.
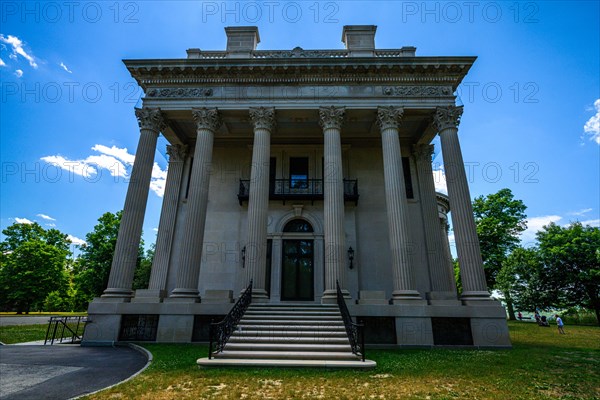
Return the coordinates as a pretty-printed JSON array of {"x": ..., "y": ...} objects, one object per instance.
[{"x": 297, "y": 275}]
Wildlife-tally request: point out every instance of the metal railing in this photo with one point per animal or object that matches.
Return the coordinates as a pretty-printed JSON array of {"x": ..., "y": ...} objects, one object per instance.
[
  {"x": 298, "y": 189},
  {"x": 356, "y": 332},
  {"x": 220, "y": 332},
  {"x": 61, "y": 324}
]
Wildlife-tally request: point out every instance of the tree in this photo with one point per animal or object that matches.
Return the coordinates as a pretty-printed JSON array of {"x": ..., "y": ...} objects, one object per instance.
[
  {"x": 33, "y": 264},
  {"x": 92, "y": 268},
  {"x": 141, "y": 278},
  {"x": 520, "y": 279},
  {"x": 500, "y": 219},
  {"x": 571, "y": 265}
]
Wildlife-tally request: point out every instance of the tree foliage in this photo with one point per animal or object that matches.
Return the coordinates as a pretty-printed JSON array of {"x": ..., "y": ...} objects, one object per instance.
[
  {"x": 500, "y": 219},
  {"x": 32, "y": 265},
  {"x": 92, "y": 268},
  {"x": 571, "y": 265}
]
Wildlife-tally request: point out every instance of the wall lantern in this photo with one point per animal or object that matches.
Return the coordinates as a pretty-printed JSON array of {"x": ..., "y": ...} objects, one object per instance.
[
  {"x": 351, "y": 256},
  {"x": 243, "y": 256}
]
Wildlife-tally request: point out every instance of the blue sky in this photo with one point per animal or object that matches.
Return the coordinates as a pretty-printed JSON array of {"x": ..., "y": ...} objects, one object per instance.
[{"x": 532, "y": 99}]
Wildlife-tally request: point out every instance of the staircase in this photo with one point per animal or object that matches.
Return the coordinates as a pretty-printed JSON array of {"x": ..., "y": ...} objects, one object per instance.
[{"x": 289, "y": 335}]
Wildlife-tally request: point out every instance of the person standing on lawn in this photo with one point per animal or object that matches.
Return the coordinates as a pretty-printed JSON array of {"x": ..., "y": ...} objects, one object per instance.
[{"x": 560, "y": 324}]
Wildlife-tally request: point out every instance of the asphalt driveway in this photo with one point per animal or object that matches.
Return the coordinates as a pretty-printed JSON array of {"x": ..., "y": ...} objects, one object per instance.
[{"x": 63, "y": 371}]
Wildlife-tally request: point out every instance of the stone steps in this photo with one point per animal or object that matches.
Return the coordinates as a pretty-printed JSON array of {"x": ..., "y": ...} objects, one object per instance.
[{"x": 289, "y": 335}]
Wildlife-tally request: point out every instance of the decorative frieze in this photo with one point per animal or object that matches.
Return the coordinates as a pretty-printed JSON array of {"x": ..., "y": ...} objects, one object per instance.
[
  {"x": 417, "y": 91},
  {"x": 150, "y": 118},
  {"x": 180, "y": 92},
  {"x": 447, "y": 117}
]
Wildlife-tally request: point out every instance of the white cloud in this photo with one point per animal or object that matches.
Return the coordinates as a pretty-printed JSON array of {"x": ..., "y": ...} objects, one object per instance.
[
  {"x": 2, "y": 63},
  {"x": 23, "y": 221},
  {"x": 78, "y": 167},
  {"x": 46, "y": 217},
  {"x": 117, "y": 161},
  {"x": 17, "y": 48},
  {"x": 62, "y": 64},
  {"x": 581, "y": 212},
  {"x": 536, "y": 224},
  {"x": 51, "y": 225},
  {"x": 75, "y": 240},
  {"x": 19, "y": 73},
  {"x": 592, "y": 126},
  {"x": 439, "y": 179},
  {"x": 121, "y": 154},
  {"x": 591, "y": 222}
]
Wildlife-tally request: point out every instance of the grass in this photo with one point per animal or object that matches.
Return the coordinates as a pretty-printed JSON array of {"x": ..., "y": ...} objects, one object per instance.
[
  {"x": 541, "y": 365},
  {"x": 27, "y": 333},
  {"x": 41, "y": 314}
]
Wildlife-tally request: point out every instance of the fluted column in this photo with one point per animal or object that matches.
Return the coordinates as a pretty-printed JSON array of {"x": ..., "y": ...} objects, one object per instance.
[
  {"x": 331, "y": 119},
  {"x": 207, "y": 123},
  {"x": 446, "y": 121},
  {"x": 125, "y": 257},
  {"x": 258, "y": 202},
  {"x": 441, "y": 276},
  {"x": 388, "y": 119},
  {"x": 166, "y": 226}
]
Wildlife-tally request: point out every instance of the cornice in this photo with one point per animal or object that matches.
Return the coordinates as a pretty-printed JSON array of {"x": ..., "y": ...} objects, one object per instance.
[{"x": 310, "y": 71}]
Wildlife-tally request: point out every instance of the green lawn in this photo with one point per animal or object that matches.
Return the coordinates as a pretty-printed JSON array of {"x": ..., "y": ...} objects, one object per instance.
[
  {"x": 28, "y": 333},
  {"x": 542, "y": 365}
]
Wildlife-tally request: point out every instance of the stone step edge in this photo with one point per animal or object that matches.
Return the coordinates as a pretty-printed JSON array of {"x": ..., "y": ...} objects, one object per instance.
[
  {"x": 287, "y": 347},
  {"x": 232, "y": 362},
  {"x": 288, "y": 355}
]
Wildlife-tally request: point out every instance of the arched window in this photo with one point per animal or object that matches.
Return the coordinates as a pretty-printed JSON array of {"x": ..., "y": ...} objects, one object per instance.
[{"x": 298, "y": 225}]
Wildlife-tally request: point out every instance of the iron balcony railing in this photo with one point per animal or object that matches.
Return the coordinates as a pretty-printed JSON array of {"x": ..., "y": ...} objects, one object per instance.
[
  {"x": 356, "y": 332},
  {"x": 299, "y": 189},
  {"x": 220, "y": 332}
]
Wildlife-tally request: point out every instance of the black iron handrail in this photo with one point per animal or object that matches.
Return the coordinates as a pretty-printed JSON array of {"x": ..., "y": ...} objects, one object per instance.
[
  {"x": 62, "y": 322},
  {"x": 356, "y": 332},
  {"x": 298, "y": 189},
  {"x": 220, "y": 332}
]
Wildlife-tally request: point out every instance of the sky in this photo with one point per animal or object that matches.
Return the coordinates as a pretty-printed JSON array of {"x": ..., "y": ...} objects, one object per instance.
[{"x": 68, "y": 132}]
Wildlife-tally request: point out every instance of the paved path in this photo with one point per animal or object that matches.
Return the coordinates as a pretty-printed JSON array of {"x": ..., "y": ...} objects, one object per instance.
[
  {"x": 5, "y": 321},
  {"x": 63, "y": 371}
]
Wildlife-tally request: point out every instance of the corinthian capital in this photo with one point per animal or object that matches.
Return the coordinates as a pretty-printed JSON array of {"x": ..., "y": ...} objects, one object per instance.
[
  {"x": 447, "y": 117},
  {"x": 423, "y": 152},
  {"x": 177, "y": 152},
  {"x": 389, "y": 117},
  {"x": 150, "y": 118},
  {"x": 207, "y": 118},
  {"x": 263, "y": 118},
  {"x": 331, "y": 117}
]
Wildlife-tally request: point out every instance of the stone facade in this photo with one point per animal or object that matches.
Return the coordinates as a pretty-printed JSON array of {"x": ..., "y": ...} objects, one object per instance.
[{"x": 299, "y": 169}]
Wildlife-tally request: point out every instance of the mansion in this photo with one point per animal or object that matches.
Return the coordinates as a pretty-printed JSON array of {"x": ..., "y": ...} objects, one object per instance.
[{"x": 297, "y": 170}]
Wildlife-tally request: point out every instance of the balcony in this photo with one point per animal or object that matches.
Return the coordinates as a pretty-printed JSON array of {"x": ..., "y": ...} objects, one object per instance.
[{"x": 299, "y": 189}]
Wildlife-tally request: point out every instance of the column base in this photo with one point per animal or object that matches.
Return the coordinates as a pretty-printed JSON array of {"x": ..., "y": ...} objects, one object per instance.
[
  {"x": 400, "y": 296},
  {"x": 117, "y": 293},
  {"x": 330, "y": 296},
  {"x": 149, "y": 296},
  {"x": 180, "y": 295},
  {"x": 475, "y": 296}
]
